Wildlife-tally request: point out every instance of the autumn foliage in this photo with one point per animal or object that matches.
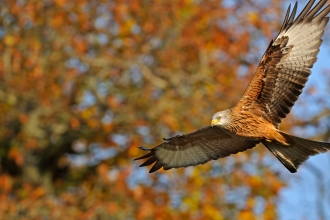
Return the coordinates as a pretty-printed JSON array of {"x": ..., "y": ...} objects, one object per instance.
[{"x": 84, "y": 83}]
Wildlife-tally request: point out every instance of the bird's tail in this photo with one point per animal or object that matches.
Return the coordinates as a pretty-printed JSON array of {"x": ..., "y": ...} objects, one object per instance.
[{"x": 299, "y": 150}]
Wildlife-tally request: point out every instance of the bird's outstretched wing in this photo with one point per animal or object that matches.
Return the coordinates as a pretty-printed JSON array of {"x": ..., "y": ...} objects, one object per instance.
[
  {"x": 199, "y": 147},
  {"x": 286, "y": 64}
]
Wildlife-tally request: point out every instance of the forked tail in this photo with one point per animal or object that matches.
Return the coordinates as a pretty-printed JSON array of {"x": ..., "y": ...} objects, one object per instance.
[{"x": 298, "y": 152}]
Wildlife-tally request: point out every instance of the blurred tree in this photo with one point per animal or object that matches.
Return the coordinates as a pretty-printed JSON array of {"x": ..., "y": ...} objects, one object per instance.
[{"x": 83, "y": 83}]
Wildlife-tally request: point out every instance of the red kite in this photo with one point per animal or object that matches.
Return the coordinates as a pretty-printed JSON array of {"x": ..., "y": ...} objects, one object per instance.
[{"x": 276, "y": 85}]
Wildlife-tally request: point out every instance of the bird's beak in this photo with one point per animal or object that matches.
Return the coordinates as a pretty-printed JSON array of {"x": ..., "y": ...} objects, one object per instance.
[{"x": 214, "y": 122}]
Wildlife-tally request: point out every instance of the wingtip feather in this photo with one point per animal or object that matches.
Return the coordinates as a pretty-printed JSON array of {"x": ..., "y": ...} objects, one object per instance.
[
  {"x": 151, "y": 160},
  {"x": 144, "y": 148},
  {"x": 144, "y": 156},
  {"x": 156, "y": 167}
]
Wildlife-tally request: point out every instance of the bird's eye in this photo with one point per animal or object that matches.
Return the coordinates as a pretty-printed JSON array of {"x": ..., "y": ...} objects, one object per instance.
[{"x": 219, "y": 117}]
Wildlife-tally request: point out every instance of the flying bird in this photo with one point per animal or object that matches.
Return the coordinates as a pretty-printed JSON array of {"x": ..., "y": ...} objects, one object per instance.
[{"x": 279, "y": 79}]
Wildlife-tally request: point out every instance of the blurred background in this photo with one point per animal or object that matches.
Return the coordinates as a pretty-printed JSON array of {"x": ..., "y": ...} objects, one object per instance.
[{"x": 83, "y": 83}]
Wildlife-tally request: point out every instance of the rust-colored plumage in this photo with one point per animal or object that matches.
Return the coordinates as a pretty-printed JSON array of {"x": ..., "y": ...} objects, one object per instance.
[{"x": 280, "y": 77}]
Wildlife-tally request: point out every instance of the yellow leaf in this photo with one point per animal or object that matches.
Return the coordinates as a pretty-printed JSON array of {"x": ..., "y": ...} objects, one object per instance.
[
  {"x": 246, "y": 215},
  {"x": 253, "y": 17},
  {"x": 212, "y": 213},
  {"x": 9, "y": 40}
]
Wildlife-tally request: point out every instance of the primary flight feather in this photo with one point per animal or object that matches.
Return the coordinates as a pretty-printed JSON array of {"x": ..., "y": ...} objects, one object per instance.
[{"x": 279, "y": 79}]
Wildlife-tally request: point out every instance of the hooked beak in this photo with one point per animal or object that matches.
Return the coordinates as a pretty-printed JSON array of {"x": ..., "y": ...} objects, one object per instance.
[{"x": 214, "y": 122}]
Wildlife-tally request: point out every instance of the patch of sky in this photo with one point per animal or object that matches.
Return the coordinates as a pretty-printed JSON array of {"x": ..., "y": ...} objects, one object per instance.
[
  {"x": 262, "y": 45},
  {"x": 156, "y": 42},
  {"x": 108, "y": 117},
  {"x": 100, "y": 153},
  {"x": 216, "y": 169},
  {"x": 102, "y": 21},
  {"x": 259, "y": 206},
  {"x": 112, "y": 174},
  {"x": 83, "y": 68},
  {"x": 229, "y": 165},
  {"x": 309, "y": 204},
  {"x": 139, "y": 176},
  {"x": 136, "y": 29},
  {"x": 175, "y": 198},
  {"x": 251, "y": 166},
  {"x": 88, "y": 99},
  {"x": 119, "y": 139},
  {"x": 143, "y": 130},
  {"x": 102, "y": 88},
  {"x": 228, "y": 3},
  {"x": 136, "y": 75},
  {"x": 243, "y": 70},
  {"x": 307, "y": 131},
  {"x": 148, "y": 140},
  {"x": 236, "y": 196},
  {"x": 77, "y": 160},
  {"x": 163, "y": 183},
  {"x": 188, "y": 171},
  {"x": 147, "y": 59},
  {"x": 102, "y": 39},
  {"x": 97, "y": 153},
  {"x": 2, "y": 32},
  {"x": 75, "y": 63}
]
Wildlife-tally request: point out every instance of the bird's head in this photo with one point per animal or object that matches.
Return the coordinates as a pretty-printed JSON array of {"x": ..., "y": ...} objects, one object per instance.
[{"x": 221, "y": 118}]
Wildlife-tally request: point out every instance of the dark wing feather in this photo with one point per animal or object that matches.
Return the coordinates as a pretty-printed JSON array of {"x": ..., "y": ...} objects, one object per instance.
[
  {"x": 199, "y": 147},
  {"x": 285, "y": 67}
]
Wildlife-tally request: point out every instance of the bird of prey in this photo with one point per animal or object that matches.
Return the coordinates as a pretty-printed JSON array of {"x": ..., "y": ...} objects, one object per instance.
[{"x": 276, "y": 85}]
